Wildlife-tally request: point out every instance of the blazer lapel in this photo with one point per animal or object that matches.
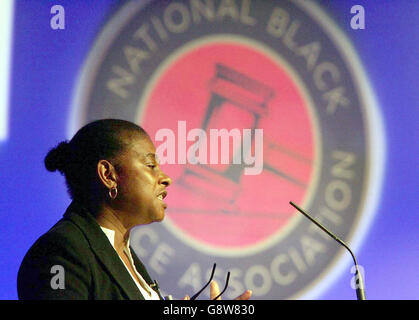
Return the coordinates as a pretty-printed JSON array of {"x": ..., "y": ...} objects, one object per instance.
[
  {"x": 103, "y": 249},
  {"x": 143, "y": 271}
]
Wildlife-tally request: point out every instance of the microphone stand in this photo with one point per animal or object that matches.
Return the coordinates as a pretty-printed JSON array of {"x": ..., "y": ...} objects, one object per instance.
[{"x": 360, "y": 289}]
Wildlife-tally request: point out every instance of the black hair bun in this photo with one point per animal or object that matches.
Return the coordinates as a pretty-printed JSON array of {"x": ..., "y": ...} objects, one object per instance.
[{"x": 58, "y": 157}]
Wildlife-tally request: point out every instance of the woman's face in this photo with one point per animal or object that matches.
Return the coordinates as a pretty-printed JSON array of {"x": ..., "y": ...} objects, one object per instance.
[{"x": 141, "y": 183}]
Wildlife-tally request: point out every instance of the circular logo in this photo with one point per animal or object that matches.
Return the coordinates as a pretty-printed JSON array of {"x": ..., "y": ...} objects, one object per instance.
[
  {"x": 212, "y": 94},
  {"x": 251, "y": 104}
]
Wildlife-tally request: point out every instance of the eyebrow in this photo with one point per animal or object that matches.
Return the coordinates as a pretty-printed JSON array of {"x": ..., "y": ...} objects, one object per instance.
[
  {"x": 148, "y": 156},
  {"x": 151, "y": 155}
]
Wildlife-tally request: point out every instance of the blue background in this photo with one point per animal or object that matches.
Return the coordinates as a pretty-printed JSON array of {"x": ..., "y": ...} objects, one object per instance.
[{"x": 45, "y": 66}]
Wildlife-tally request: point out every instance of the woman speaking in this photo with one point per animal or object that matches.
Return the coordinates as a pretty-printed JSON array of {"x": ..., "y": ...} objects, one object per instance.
[{"x": 116, "y": 184}]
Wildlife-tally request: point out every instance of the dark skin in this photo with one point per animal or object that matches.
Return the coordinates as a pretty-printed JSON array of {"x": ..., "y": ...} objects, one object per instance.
[{"x": 141, "y": 188}]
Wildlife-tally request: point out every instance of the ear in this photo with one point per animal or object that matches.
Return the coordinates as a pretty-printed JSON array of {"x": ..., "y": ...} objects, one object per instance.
[{"x": 107, "y": 174}]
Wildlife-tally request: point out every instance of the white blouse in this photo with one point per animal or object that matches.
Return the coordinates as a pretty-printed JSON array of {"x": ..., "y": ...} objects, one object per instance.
[{"x": 147, "y": 292}]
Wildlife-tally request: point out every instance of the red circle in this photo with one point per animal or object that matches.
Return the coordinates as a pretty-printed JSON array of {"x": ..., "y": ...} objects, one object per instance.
[{"x": 258, "y": 205}]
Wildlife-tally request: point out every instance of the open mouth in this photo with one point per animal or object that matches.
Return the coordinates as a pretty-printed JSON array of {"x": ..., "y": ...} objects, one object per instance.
[{"x": 161, "y": 196}]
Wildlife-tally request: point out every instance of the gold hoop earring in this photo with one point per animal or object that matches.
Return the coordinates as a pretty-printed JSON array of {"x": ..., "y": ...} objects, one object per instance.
[{"x": 113, "y": 192}]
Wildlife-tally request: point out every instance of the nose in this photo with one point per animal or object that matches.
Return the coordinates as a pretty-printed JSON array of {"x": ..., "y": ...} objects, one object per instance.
[{"x": 165, "y": 179}]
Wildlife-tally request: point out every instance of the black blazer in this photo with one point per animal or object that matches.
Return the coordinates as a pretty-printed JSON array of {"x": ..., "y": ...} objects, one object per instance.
[{"x": 92, "y": 268}]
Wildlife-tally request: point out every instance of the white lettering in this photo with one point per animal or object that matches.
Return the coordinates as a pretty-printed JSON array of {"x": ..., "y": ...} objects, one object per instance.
[
  {"x": 258, "y": 271},
  {"x": 281, "y": 277},
  {"x": 58, "y": 20},
  {"x": 197, "y": 153},
  {"x": 58, "y": 280},
  {"x": 161, "y": 257},
  {"x": 358, "y": 20},
  {"x": 176, "y": 17}
]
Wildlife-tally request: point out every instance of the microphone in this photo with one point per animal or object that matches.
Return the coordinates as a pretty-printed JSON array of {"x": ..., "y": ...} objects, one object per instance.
[
  {"x": 360, "y": 289},
  {"x": 155, "y": 287},
  {"x": 206, "y": 285},
  {"x": 225, "y": 287},
  {"x": 209, "y": 281}
]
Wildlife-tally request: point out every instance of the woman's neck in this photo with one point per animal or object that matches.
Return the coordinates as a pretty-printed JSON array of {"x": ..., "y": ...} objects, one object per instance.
[{"x": 110, "y": 219}]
